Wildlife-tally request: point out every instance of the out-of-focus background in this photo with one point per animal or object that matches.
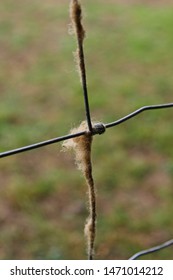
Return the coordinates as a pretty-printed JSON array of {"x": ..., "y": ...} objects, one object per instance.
[{"x": 43, "y": 197}]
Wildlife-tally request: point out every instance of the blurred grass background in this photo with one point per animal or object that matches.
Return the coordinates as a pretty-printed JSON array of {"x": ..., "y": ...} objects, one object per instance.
[{"x": 129, "y": 52}]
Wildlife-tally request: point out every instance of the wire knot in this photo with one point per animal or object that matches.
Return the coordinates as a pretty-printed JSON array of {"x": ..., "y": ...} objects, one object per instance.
[{"x": 98, "y": 128}]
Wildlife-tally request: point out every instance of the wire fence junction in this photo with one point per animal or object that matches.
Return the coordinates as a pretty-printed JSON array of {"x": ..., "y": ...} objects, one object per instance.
[{"x": 98, "y": 128}]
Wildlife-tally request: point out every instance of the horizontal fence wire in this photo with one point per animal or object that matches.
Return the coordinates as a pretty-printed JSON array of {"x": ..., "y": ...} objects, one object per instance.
[
  {"x": 94, "y": 131},
  {"x": 40, "y": 144},
  {"x": 152, "y": 250},
  {"x": 139, "y": 111}
]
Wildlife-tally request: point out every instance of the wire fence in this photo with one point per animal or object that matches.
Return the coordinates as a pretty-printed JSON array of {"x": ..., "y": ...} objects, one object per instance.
[
  {"x": 93, "y": 129},
  {"x": 96, "y": 129}
]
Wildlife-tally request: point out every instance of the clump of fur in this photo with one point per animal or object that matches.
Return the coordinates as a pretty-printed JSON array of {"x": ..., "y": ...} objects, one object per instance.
[
  {"x": 82, "y": 148},
  {"x": 76, "y": 18},
  {"x": 78, "y": 29}
]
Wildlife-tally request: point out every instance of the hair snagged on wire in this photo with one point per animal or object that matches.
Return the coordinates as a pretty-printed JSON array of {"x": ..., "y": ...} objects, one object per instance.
[{"x": 82, "y": 148}]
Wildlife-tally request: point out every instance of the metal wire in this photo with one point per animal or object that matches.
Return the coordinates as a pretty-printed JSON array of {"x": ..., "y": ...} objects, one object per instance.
[
  {"x": 40, "y": 144},
  {"x": 137, "y": 112},
  {"x": 76, "y": 17},
  {"x": 84, "y": 86},
  {"x": 95, "y": 131},
  {"x": 152, "y": 250}
]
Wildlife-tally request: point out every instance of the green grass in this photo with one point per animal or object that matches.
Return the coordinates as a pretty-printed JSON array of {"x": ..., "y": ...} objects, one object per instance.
[{"x": 129, "y": 64}]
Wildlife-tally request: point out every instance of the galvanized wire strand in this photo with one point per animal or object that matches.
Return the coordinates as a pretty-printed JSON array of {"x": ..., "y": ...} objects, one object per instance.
[
  {"x": 139, "y": 111},
  {"x": 84, "y": 86},
  {"x": 76, "y": 17},
  {"x": 152, "y": 250},
  {"x": 95, "y": 130},
  {"x": 40, "y": 144}
]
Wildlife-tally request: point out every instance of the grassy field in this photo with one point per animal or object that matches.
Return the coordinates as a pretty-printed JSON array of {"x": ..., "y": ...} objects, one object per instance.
[{"x": 129, "y": 52}]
